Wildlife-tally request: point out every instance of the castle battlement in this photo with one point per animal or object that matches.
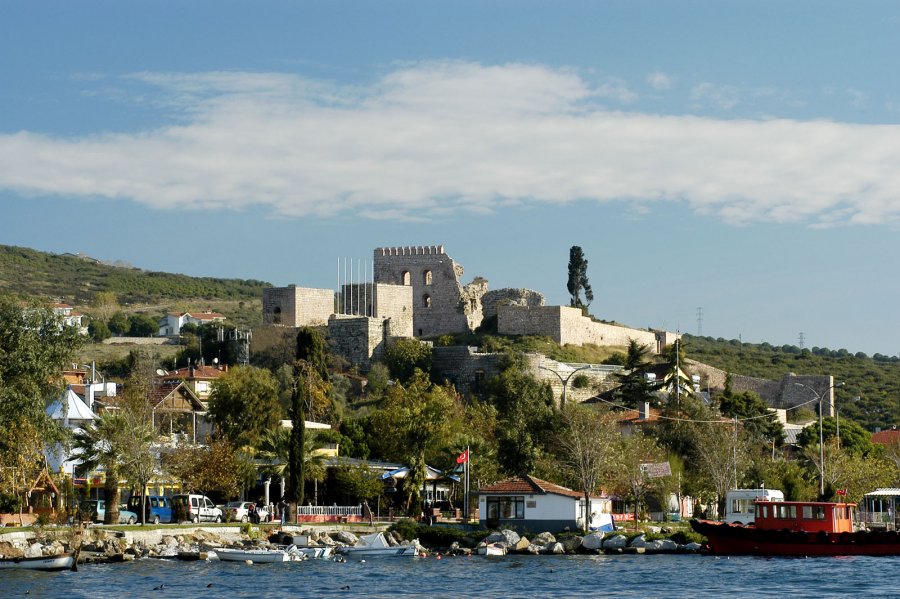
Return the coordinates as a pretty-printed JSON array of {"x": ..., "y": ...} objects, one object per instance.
[{"x": 414, "y": 250}]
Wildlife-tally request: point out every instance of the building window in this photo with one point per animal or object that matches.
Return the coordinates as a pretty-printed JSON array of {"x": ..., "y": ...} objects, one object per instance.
[
  {"x": 426, "y": 277},
  {"x": 404, "y": 277},
  {"x": 426, "y": 300},
  {"x": 505, "y": 508},
  {"x": 276, "y": 315}
]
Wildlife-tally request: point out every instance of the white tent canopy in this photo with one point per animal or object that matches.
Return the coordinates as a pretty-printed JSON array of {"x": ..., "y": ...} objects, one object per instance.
[{"x": 70, "y": 407}]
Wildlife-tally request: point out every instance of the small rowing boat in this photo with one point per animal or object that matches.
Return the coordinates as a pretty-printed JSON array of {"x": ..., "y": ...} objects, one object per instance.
[{"x": 48, "y": 563}]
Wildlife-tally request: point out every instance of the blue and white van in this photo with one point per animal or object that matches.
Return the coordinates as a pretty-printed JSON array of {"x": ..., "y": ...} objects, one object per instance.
[{"x": 159, "y": 508}]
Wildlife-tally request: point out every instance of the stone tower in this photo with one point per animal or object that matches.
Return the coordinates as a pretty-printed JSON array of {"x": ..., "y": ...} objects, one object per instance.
[{"x": 441, "y": 304}]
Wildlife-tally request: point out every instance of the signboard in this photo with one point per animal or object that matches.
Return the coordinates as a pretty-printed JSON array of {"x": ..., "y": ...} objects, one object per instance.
[{"x": 657, "y": 470}]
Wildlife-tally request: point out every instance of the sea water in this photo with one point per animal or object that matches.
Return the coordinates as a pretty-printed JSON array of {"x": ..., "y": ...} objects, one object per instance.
[{"x": 510, "y": 576}]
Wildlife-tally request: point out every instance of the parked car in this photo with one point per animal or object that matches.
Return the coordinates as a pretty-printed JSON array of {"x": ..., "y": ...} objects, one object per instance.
[
  {"x": 94, "y": 510},
  {"x": 241, "y": 511},
  {"x": 195, "y": 508},
  {"x": 158, "y": 508}
]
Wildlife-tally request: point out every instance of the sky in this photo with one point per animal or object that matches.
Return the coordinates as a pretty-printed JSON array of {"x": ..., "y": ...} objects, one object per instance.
[{"x": 729, "y": 169}]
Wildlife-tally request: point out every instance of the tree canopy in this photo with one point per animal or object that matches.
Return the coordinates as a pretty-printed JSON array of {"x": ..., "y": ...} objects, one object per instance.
[
  {"x": 34, "y": 348},
  {"x": 244, "y": 404}
]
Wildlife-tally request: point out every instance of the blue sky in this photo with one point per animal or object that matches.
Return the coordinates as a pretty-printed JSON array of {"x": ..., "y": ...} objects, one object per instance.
[{"x": 735, "y": 156}]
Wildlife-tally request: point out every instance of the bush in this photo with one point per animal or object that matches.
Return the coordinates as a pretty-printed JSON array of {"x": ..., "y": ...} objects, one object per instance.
[
  {"x": 437, "y": 536},
  {"x": 683, "y": 537}
]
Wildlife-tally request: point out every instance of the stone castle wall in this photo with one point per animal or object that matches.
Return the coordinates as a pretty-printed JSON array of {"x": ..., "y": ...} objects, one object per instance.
[
  {"x": 600, "y": 377},
  {"x": 568, "y": 326},
  {"x": 380, "y": 300},
  {"x": 359, "y": 339},
  {"x": 440, "y": 303},
  {"x": 509, "y": 297},
  {"x": 294, "y": 306},
  {"x": 465, "y": 367},
  {"x": 783, "y": 394}
]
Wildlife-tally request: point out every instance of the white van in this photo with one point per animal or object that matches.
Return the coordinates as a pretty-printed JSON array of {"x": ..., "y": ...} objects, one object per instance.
[
  {"x": 739, "y": 508},
  {"x": 195, "y": 508}
]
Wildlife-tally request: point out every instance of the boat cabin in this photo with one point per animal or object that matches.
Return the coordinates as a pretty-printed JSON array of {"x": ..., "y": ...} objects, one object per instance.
[{"x": 808, "y": 516}]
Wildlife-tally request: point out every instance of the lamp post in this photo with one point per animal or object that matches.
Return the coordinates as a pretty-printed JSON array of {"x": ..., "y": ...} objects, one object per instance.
[
  {"x": 819, "y": 399},
  {"x": 564, "y": 381},
  {"x": 837, "y": 418}
]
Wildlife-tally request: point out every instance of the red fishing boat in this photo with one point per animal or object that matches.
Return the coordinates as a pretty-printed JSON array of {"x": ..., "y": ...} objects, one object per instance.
[{"x": 798, "y": 528}]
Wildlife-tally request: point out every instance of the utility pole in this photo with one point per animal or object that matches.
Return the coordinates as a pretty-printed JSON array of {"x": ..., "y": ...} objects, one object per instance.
[{"x": 699, "y": 322}]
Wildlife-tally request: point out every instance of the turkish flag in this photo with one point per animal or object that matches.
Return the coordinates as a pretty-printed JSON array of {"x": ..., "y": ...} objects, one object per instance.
[{"x": 463, "y": 457}]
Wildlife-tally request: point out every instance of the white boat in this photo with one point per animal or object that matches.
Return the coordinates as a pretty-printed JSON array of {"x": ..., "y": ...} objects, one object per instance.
[
  {"x": 314, "y": 552},
  {"x": 375, "y": 545},
  {"x": 49, "y": 563},
  {"x": 259, "y": 556},
  {"x": 491, "y": 549}
]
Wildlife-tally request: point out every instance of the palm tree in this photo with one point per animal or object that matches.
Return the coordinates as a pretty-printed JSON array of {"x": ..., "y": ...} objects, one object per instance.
[
  {"x": 275, "y": 450},
  {"x": 101, "y": 444}
]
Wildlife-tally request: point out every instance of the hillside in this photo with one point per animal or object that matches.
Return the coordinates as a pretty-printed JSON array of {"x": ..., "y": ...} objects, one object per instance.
[
  {"x": 75, "y": 280},
  {"x": 875, "y": 380}
]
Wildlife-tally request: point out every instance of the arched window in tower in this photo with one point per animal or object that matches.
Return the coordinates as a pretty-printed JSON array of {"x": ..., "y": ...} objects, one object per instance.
[
  {"x": 426, "y": 277},
  {"x": 405, "y": 277},
  {"x": 426, "y": 301}
]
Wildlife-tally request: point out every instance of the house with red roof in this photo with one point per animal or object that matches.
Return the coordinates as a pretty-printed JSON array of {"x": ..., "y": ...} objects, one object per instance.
[
  {"x": 888, "y": 437},
  {"x": 529, "y": 503}
]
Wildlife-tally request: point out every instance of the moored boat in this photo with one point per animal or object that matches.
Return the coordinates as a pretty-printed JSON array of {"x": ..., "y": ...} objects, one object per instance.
[
  {"x": 798, "y": 528},
  {"x": 50, "y": 563},
  {"x": 375, "y": 545},
  {"x": 264, "y": 556}
]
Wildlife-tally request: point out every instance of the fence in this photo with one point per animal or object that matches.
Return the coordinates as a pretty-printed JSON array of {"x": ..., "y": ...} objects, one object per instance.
[{"x": 329, "y": 513}]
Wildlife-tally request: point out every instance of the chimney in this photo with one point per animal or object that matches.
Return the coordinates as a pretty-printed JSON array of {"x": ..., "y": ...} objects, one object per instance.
[{"x": 645, "y": 411}]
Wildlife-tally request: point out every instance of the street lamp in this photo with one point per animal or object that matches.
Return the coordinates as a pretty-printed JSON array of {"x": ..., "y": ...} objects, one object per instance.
[
  {"x": 564, "y": 381},
  {"x": 819, "y": 399},
  {"x": 837, "y": 418}
]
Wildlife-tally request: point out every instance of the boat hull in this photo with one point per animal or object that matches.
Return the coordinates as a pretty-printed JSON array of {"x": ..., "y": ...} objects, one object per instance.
[
  {"x": 257, "y": 556},
  {"x": 730, "y": 539},
  {"x": 358, "y": 552},
  {"x": 48, "y": 564}
]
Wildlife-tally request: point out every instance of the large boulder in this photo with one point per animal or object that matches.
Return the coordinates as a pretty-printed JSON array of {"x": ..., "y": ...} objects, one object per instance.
[
  {"x": 545, "y": 538},
  {"x": 521, "y": 545},
  {"x": 638, "y": 541},
  {"x": 554, "y": 549},
  {"x": 615, "y": 542},
  {"x": 692, "y": 547},
  {"x": 347, "y": 538},
  {"x": 509, "y": 537},
  {"x": 661, "y": 545},
  {"x": 593, "y": 541},
  {"x": 34, "y": 550},
  {"x": 572, "y": 544}
]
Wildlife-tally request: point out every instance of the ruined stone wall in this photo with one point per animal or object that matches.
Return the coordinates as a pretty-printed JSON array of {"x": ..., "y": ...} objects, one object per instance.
[
  {"x": 600, "y": 377},
  {"x": 440, "y": 303},
  {"x": 294, "y": 306},
  {"x": 395, "y": 302},
  {"x": 465, "y": 367},
  {"x": 509, "y": 297},
  {"x": 358, "y": 339},
  {"x": 567, "y": 326},
  {"x": 784, "y": 393}
]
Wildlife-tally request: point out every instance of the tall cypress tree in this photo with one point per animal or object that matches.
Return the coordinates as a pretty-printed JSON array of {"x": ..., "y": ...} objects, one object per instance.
[{"x": 578, "y": 279}]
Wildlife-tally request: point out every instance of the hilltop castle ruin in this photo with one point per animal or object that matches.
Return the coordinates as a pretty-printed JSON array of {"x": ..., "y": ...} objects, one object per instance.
[{"x": 416, "y": 292}]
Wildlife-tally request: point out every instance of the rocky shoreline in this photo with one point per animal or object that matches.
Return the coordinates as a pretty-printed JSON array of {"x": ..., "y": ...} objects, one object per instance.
[
  {"x": 101, "y": 545},
  {"x": 509, "y": 541}
]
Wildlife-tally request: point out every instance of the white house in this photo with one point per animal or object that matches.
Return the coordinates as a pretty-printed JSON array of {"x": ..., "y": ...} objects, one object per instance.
[
  {"x": 171, "y": 324},
  {"x": 525, "y": 502}
]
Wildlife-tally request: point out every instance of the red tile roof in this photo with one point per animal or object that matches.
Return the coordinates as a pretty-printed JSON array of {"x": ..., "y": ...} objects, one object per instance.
[
  {"x": 888, "y": 437},
  {"x": 528, "y": 485}
]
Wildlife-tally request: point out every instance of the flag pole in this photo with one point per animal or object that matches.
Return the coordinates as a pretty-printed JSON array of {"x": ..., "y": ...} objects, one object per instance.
[{"x": 468, "y": 459}]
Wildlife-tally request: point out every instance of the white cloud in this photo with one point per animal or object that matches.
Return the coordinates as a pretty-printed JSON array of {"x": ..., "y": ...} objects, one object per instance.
[
  {"x": 659, "y": 81},
  {"x": 708, "y": 95},
  {"x": 430, "y": 139}
]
